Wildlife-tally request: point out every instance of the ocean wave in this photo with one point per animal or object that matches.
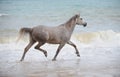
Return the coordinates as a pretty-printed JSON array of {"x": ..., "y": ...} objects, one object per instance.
[
  {"x": 13, "y": 39},
  {"x": 2, "y": 14},
  {"x": 100, "y": 36},
  {"x": 108, "y": 36}
]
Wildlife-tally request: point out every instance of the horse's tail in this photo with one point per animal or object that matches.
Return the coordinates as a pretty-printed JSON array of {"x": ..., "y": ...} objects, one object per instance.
[{"x": 24, "y": 31}]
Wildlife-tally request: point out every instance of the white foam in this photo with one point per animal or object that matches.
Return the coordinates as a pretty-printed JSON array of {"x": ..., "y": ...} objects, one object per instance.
[
  {"x": 101, "y": 38},
  {"x": 2, "y": 14}
]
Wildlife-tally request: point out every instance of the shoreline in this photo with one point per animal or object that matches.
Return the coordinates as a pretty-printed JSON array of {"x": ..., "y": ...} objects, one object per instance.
[{"x": 95, "y": 61}]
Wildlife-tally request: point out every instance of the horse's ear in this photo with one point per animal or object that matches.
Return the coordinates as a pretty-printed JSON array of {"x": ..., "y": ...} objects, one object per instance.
[{"x": 77, "y": 15}]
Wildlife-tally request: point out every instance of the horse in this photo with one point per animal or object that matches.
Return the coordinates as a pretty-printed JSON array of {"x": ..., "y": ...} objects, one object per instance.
[{"x": 60, "y": 34}]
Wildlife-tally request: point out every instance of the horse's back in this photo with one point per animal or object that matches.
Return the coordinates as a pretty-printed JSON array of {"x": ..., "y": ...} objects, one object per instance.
[{"x": 40, "y": 33}]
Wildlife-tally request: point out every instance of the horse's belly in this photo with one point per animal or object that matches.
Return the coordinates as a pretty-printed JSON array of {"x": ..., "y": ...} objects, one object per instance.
[
  {"x": 53, "y": 41},
  {"x": 56, "y": 40}
]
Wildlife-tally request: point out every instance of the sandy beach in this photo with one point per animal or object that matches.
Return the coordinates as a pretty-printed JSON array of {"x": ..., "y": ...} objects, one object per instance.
[{"x": 96, "y": 60}]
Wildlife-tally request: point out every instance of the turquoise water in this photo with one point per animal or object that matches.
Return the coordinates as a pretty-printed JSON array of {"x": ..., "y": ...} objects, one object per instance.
[{"x": 99, "y": 14}]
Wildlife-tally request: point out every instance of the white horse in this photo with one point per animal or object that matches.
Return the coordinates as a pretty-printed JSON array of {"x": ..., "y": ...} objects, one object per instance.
[{"x": 54, "y": 35}]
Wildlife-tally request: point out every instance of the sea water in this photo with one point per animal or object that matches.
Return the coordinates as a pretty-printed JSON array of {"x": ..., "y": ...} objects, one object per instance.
[{"x": 102, "y": 17}]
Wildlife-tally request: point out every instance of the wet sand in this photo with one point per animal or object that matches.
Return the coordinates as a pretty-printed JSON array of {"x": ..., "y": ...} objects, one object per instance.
[{"x": 94, "y": 62}]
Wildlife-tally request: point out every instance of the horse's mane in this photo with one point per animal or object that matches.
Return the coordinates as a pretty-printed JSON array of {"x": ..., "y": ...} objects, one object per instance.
[
  {"x": 74, "y": 17},
  {"x": 69, "y": 22}
]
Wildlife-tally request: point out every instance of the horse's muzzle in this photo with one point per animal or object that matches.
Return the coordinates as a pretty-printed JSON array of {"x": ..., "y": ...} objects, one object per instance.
[{"x": 85, "y": 24}]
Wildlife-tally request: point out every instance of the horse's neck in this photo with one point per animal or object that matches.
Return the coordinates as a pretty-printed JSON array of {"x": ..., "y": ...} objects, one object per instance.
[{"x": 70, "y": 25}]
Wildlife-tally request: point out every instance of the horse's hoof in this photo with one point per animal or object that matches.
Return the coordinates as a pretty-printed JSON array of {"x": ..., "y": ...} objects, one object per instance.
[
  {"x": 78, "y": 55},
  {"x": 53, "y": 59},
  {"x": 45, "y": 53},
  {"x": 21, "y": 60}
]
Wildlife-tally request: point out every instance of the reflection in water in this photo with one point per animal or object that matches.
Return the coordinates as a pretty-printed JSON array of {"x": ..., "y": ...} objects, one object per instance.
[{"x": 86, "y": 66}]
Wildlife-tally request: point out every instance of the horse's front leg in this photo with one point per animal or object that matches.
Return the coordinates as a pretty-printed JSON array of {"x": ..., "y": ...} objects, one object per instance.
[
  {"x": 72, "y": 44},
  {"x": 58, "y": 50}
]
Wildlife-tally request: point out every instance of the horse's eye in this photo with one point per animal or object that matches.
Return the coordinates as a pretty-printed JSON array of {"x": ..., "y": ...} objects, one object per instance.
[{"x": 81, "y": 18}]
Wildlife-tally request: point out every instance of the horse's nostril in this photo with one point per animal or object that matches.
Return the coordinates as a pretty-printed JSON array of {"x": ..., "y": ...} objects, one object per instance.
[{"x": 85, "y": 25}]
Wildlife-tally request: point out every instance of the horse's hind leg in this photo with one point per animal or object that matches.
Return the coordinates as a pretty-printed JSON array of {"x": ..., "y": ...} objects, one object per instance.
[
  {"x": 38, "y": 48},
  {"x": 27, "y": 48},
  {"x": 72, "y": 44}
]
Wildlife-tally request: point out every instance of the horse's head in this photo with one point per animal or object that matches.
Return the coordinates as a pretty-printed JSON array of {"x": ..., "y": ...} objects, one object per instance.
[{"x": 79, "y": 21}]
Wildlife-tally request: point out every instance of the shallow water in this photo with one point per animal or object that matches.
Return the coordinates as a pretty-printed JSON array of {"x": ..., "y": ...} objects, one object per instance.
[{"x": 95, "y": 61}]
